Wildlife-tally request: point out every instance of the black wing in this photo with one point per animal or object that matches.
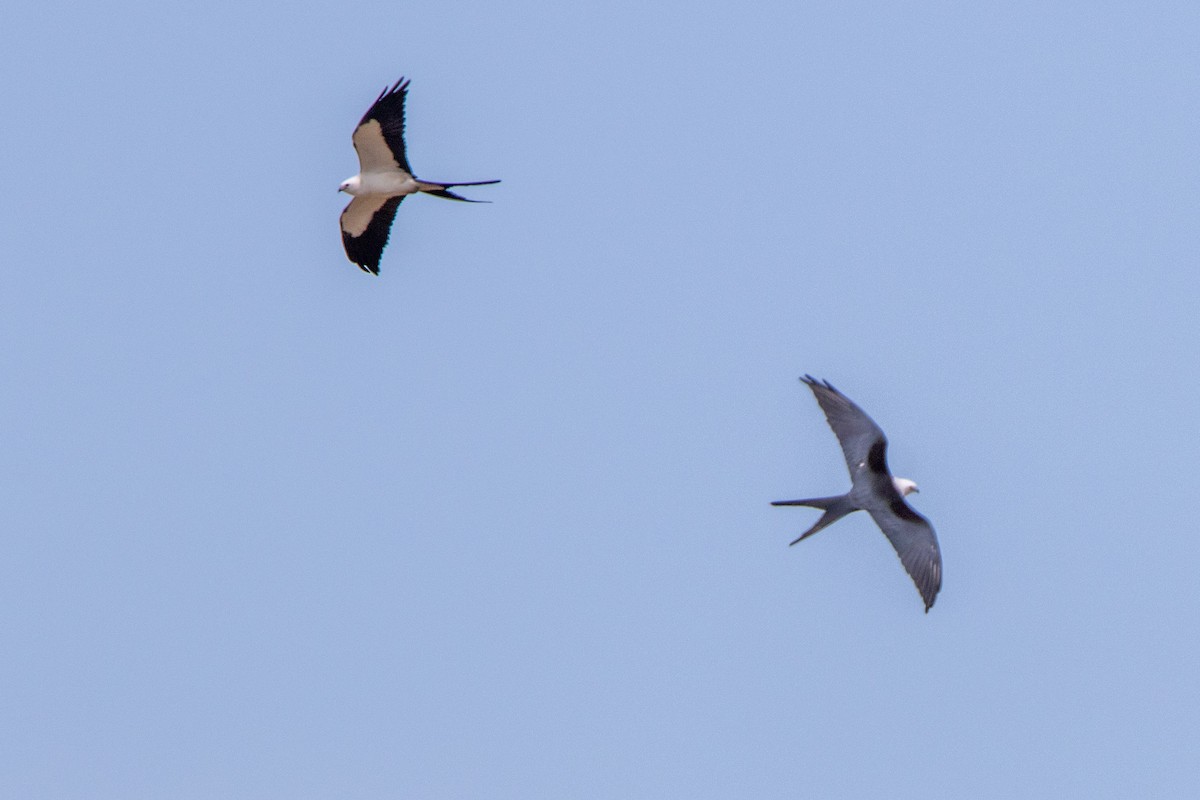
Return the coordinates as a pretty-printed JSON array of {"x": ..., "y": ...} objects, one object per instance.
[
  {"x": 364, "y": 245},
  {"x": 915, "y": 543},
  {"x": 862, "y": 441},
  {"x": 388, "y": 111}
]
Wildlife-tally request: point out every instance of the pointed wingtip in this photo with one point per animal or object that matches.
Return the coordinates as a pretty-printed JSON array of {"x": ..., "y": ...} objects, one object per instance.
[
  {"x": 817, "y": 383},
  {"x": 397, "y": 87}
]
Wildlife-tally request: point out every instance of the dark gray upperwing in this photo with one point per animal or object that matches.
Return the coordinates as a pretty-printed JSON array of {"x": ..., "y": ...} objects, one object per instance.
[
  {"x": 863, "y": 442},
  {"x": 915, "y": 543},
  {"x": 388, "y": 111}
]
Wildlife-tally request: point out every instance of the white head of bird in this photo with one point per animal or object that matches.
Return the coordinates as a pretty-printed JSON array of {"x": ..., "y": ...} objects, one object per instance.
[{"x": 904, "y": 486}]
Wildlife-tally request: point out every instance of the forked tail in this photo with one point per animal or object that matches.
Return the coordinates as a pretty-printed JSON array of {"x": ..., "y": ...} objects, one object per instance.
[
  {"x": 834, "y": 507},
  {"x": 443, "y": 190}
]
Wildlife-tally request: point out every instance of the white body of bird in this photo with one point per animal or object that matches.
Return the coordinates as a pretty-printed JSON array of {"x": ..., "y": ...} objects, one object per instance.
[{"x": 392, "y": 183}]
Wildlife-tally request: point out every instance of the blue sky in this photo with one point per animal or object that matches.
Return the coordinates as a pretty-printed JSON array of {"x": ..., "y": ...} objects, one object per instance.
[{"x": 496, "y": 523}]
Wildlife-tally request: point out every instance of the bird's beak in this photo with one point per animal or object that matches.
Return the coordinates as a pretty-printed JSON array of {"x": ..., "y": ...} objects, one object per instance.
[{"x": 916, "y": 490}]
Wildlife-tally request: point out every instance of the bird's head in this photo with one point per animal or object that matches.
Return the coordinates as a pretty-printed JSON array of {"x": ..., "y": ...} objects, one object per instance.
[
  {"x": 904, "y": 486},
  {"x": 350, "y": 185}
]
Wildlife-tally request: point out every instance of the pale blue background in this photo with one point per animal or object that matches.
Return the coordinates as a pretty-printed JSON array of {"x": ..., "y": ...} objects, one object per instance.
[{"x": 495, "y": 524}]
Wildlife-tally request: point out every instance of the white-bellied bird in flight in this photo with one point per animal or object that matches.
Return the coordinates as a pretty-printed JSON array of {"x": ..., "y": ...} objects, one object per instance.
[
  {"x": 384, "y": 178},
  {"x": 874, "y": 490}
]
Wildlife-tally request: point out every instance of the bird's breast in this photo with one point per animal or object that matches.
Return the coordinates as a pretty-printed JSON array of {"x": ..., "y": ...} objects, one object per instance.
[{"x": 388, "y": 184}]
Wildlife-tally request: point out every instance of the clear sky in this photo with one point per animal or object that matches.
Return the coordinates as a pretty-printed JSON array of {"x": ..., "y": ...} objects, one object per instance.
[{"x": 496, "y": 523}]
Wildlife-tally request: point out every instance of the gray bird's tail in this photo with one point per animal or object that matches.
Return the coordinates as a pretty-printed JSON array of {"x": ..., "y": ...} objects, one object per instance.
[
  {"x": 443, "y": 190},
  {"x": 834, "y": 507}
]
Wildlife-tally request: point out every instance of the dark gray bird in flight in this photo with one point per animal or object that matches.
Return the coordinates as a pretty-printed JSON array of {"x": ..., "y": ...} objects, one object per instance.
[
  {"x": 874, "y": 490},
  {"x": 383, "y": 180}
]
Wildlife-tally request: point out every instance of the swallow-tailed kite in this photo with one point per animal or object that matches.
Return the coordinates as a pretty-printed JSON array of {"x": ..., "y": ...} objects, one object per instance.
[
  {"x": 383, "y": 179},
  {"x": 874, "y": 490}
]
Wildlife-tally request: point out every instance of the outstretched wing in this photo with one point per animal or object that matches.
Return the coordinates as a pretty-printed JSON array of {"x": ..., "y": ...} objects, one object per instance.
[
  {"x": 915, "y": 542},
  {"x": 366, "y": 224},
  {"x": 862, "y": 441},
  {"x": 379, "y": 137}
]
